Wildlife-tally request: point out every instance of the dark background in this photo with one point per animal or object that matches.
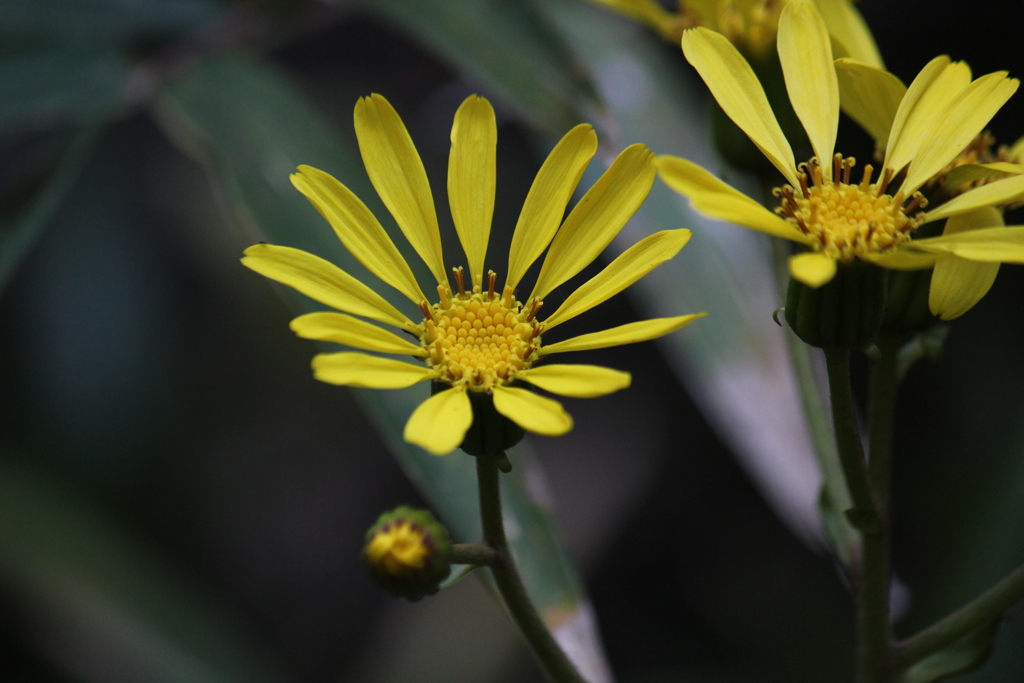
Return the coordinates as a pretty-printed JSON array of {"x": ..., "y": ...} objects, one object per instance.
[{"x": 151, "y": 393}]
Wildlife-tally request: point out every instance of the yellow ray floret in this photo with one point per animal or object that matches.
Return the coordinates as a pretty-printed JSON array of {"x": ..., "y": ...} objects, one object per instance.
[
  {"x": 823, "y": 206},
  {"x": 476, "y": 337}
]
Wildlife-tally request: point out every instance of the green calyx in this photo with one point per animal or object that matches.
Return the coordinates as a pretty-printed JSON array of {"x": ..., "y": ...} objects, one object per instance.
[
  {"x": 491, "y": 433},
  {"x": 408, "y": 552},
  {"x": 845, "y": 313}
]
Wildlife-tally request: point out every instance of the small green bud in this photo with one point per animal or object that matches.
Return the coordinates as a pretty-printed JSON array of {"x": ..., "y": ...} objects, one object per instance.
[
  {"x": 409, "y": 553},
  {"x": 845, "y": 313},
  {"x": 491, "y": 432}
]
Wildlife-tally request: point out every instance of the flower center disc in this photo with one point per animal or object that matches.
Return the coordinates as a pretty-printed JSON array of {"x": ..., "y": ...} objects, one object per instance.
[
  {"x": 848, "y": 220},
  {"x": 481, "y": 339},
  {"x": 400, "y": 547}
]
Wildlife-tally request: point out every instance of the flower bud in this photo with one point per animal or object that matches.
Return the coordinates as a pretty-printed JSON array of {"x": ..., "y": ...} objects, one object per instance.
[{"x": 408, "y": 552}]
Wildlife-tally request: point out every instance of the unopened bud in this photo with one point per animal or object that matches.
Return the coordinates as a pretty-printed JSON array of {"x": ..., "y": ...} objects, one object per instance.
[{"x": 408, "y": 552}]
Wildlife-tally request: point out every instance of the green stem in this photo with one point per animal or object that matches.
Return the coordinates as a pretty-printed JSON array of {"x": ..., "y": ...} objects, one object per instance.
[
  {"x": 473, "y": 553},
  {"x": 881, "y": 416},
  {"x": 874, "y": 642},
  {"x": 983, "y": 609},
  {"x": 813, "y": 404},
  {"x": 553, "y": 659}
]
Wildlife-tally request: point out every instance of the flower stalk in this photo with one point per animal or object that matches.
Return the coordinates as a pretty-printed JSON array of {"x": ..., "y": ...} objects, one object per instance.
[
  {"x": 986, "y": 607},
  {"x": 874, "y": 629},
  {"x": 476, "y": 554},
  {"x": 552, "y": 658}
]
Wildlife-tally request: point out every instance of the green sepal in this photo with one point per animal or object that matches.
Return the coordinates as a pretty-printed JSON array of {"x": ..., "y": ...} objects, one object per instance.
[
  {"x": 845, "y": 313},
  {"x": 907, "y": 310},
  {"x": 417, "y": 584},
  {"x": 491, "y": 433}
]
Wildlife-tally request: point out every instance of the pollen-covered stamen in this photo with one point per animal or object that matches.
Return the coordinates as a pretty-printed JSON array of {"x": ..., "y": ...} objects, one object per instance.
[
  {"x": 460, "y": 275},
  {"x": 846, "y": 220},
  {"x": 481, "y": 340}
]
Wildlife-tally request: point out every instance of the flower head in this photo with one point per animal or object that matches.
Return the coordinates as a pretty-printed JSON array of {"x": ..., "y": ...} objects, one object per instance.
[
  {"x": 408, "y": 552},
  {"x": 475, "y": 337},
  {"x": 836, "y": 217},
  {"x": 750, "y": 25}
]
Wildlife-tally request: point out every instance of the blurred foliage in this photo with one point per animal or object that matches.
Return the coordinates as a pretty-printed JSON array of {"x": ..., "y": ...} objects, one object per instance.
[{"x": 179, "y": 500}]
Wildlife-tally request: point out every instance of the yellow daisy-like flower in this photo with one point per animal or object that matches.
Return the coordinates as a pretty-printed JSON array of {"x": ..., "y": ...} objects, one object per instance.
[
  {"x": 477, "y": 337},
  {"x": 872, "y": 97},
  {"x": 751, "y": 25},
  {"x": 838, "y": 219}
]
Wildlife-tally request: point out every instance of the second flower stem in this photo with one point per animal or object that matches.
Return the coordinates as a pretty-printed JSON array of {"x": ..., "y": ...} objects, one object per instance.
[
  {"x": 874, "y": 630},
  {"x": 552, "y": 658}
]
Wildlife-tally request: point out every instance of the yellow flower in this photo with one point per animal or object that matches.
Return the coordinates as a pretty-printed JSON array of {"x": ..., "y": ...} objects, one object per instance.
[
  {"x": 821, "y": 207},
  {"x": 477, "y": 337},
  {"x": 751, "y": 25},
  {"x": 872, "y": 98}
]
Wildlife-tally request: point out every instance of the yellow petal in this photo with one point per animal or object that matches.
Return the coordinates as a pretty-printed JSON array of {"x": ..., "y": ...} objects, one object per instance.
[
  {"x": 904, "y": 258},
  {"x": 598, "y": 217},
  {"x": 578, "y": 381},
  {"x": 968, "y": 173},
  {"x": 363, "y": 370},
  {"x": 440, "y": 423},
  {"x": 715, "y": 198},
  {"x": 929, "y": 93},
  {"x": 545, "y": 204},
  {"x": 532, "y": 412},
  {"x": 1017, "y": 151},
  {"x": 805, "y": 51},
  {"x": 358, "y": 229},
  {"x": 962, "y": 120},
  {"x": 958, "y": 284},
  {"x": 397, "y": 173},
  {"x": 812, "y": 268},
  {"x": 850, "y": 30},
  {"x": 471, "y": 179},
  {"x": 869, "y": 96},
  {"x": 322, "y": 281},
  {"x": 630, "y": 266},
  {"x": 998, "y": 192},
  {"x": 987, "y": 245},
  {"x": 733, "y": 84},
  {"x": 344, "y": 329},
  {"x": 630, "y": 333}
]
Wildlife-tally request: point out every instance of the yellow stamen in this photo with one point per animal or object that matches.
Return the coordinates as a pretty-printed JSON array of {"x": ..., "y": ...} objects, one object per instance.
[
  {"x": 480, "y": 341},
  {"x": 849, "y": 220}
]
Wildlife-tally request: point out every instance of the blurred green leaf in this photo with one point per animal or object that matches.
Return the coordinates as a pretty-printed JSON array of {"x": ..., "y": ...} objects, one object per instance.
[
  {"x": 38, "y": 24},
  {"x": 251, "y": 127},
  {"x": 24, "y": 215},
  {"x": 42, "y": 90},
  {"x": 507, "y": 47},
  {"x": 98, "y": 604},
  {"x": 735, "y": 362},
  {"x": 966, "y": 654}
]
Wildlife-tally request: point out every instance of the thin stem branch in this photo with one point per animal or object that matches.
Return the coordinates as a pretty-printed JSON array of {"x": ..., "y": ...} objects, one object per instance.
[
  {"x": 986, "y": 607},
  {"x": 473, "y": 553},
  {"x": 553, "y": 659},
  {"x": 881, "y": 416},
  {"x": 844, "y": 421},
  {"x": 813, "y": 403},
  {"x": 874, "y": 642}
]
